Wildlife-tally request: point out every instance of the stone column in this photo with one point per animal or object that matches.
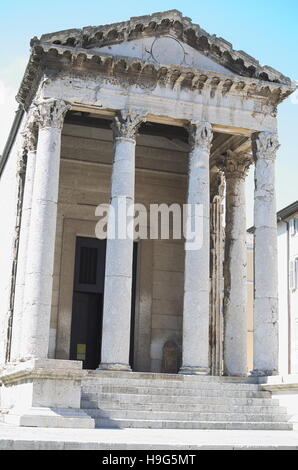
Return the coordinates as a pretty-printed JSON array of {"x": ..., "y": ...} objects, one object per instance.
[
  {"x": 29, "y": 145},
  {"x": 235, "y": 167},
  {"x": 265, "y": 145},
  {"x": 119, "y": 254},
  {"x": 40, "y": 253},
  {"x": 217, "y": 237},
  {"x": 195, "y": 354}
]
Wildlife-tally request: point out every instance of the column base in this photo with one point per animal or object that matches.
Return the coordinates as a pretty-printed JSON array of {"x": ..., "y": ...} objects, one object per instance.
[
  {"x": 263, "y": 373},
  {"x": 193, "y": 370},
  {"x": 114, "y": 366},
  {"x": 43, "y": 393}
]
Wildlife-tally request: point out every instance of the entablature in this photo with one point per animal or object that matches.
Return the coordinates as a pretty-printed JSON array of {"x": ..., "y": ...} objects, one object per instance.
[
  {"x": 146, "y": 76},
  {"x": 163, "y": 104}
]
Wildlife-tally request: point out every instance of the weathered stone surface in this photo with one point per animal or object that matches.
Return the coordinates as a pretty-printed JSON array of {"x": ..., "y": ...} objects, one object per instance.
[
  {"x": 45, "y": 393},
  {"x": 171, "y": 358},
  {"x": 179, "y": 401},
  {"x": 118, "y": 276},
  {"x": 74, "y": 47},
  {"x": 29, "y": 144},
  {"x": 195, "y": 353},
  {"x": 235, "y": 167},
  {"x": 40, "y": 259},
  {"x": 127, "y": 72},
  {"x": 265, "y": 257}
]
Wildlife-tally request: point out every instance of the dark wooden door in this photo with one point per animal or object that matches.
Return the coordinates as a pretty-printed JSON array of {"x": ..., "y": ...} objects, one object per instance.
[
  {"x": 86, "y": 327},
  {"x": 133, "y": 304}
]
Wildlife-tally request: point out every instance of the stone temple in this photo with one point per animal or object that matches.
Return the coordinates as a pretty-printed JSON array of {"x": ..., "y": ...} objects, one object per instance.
[{"x": 140, "y": 333}]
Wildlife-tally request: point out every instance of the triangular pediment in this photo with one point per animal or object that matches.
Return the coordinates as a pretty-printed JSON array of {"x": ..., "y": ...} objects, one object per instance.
[
  {"x": 160, "y": 30},
  {"x": 165, "y": 50}
]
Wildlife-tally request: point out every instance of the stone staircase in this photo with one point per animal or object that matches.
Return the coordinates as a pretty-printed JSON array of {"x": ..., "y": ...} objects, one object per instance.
[{"x": 146, "y": 400}]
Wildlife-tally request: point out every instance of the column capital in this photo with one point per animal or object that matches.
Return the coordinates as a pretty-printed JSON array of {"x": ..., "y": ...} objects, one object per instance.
[
  {"x": 235, "y": 165},
  {"x": 30, "y": 132},
  {"x": 265, "y": 145},
  {"x": 51, "y": 113},
  {"x": 127, "y": 122},
  {"x": 200, "y": 135}
]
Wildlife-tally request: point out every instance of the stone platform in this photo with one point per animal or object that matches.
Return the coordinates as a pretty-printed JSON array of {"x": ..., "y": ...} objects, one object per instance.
[
  {"x": 24, "y": 438},
  {"x": 164, "y": 401}
]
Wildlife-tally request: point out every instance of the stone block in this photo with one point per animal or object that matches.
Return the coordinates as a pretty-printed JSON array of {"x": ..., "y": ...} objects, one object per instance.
[{"x": 43, "y": 392}]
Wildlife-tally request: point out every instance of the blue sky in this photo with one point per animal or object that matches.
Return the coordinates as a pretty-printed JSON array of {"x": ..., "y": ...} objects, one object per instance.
[{"x": 265, "y": 29}]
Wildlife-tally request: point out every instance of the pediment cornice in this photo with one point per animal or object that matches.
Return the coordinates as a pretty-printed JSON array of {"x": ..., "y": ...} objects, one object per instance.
[
  {"x": 133, "y": 71},
  {"x": 169, "y": 22}
]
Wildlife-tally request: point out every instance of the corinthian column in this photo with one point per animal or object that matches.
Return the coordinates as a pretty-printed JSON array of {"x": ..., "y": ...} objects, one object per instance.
[
  {"x": 265, "y": 145},
  {"x": 195, "y": 354},
  {"x": 29, "y": 145},
  {"x": 235, "y": 167},
  {"x": 119, "y": 254},
  {"x": 40, "y": 252}
]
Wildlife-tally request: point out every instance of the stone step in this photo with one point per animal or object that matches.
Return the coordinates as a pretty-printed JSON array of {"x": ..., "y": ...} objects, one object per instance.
[
  {"x": 143, "y": 400},
  {"x": 183, "y": 407},
  {"x": 127, "y": 398},
  {"x": 184, "y": 416},
  {"x": 161, "y": 424},
  {"x": 175, "y": 391},
  {"x": 173, "y": 384},
  {"x": 96, "y": 374}
]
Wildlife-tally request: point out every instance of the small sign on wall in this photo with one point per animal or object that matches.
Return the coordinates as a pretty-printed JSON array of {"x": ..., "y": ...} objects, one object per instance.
[{"x": 81, "y": 352}]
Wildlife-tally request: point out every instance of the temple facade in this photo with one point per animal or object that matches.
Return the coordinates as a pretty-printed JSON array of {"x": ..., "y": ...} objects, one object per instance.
[{"x": 150, "y": 111}]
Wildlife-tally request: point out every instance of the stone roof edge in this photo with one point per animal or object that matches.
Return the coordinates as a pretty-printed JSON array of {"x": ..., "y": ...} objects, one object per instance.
[
  {"x": 41, "y": 53},
  {"x": 182, "y": 27}
]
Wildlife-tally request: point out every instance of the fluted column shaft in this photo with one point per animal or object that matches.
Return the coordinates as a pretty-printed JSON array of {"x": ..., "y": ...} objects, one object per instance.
[
  {"x": 235, "y": 167},
  {"x": 265, "y": 145},
  {"x": 40, "y": 256},
  {"x": 119, "y": 252},
  {"x": 29, "y": 145},
  {"x": 195, "y": 353}
]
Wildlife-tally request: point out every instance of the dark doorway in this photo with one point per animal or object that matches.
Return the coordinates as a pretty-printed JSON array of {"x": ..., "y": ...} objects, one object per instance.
[
  {"x": 133, "y": 305},
  {"x": 86, "y": 327}
]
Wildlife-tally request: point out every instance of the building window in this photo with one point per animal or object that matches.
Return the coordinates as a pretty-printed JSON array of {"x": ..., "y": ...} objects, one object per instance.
[
  {"x": 294, "y": 274},
  {"x": 293, "y": 226}
]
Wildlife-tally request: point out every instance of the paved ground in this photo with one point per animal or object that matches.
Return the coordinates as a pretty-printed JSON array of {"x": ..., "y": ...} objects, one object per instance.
[{"x": 121, "y": 439}]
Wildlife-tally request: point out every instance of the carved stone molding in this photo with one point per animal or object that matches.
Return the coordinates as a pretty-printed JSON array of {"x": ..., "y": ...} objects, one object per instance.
[
  {"x": 30, "y": 133},
  {"x": 127, "y": 122},
  {"x": 265, "y": 145},
  {"x": 144, "y": 74},
  {"x": 51, "y": 113},
  {"x": 200, "y": 135},
  {"x": 235, "y": 165},
  {"x": 159, "y": 24}
]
